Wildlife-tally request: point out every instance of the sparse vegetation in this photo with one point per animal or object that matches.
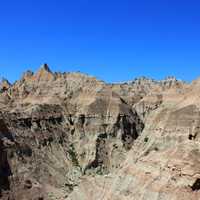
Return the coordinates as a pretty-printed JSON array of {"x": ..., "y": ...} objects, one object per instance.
[
  {"x": 73, "y": 155},
  {"x": 146, "y": 139}
]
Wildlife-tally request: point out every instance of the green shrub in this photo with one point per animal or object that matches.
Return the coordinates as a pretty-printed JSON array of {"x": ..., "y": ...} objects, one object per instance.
[{"x": 146, "y": 139}]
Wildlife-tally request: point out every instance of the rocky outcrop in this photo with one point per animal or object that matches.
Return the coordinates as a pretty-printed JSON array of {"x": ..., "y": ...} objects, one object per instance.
[
  {"x": 163, "y": 163},
  {"x": 70, "y": 136},
  {"x": 4, "y": 85},
  {"x": 64, "y": 127}
]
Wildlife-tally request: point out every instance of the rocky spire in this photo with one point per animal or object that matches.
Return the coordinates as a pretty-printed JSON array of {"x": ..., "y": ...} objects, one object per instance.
[
  {"x": 4, "y": 84},
  {"x": 44, "y": 73},
  {"x": 46, "y": 68},
  {"x": 27, "y": 75}
]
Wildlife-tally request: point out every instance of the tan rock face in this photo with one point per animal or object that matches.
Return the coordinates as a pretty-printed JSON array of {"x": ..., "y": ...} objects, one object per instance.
[{"x": 71, "y": 136}]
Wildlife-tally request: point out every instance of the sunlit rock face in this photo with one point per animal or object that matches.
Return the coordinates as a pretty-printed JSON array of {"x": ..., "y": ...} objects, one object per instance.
[{"x": 71, "y": 136}]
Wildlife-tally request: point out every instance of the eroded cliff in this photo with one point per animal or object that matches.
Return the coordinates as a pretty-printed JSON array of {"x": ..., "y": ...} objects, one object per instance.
[{"x": 71, "y": 136}]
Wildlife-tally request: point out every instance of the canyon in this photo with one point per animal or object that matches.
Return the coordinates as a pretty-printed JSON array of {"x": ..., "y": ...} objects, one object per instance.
[{"x": 70, "y": 136}]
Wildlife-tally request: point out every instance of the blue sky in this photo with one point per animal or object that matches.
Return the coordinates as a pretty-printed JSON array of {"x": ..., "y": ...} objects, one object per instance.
[{"x": 115, "y": 40}]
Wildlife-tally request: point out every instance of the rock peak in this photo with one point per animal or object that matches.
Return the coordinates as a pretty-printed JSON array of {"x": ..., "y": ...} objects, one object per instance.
[
  {"x": 44, "y": 73},
  {"x": 45, "y": 67},
  {"x": 4, "y": 83},
  {"x": 4, "y": 80}
]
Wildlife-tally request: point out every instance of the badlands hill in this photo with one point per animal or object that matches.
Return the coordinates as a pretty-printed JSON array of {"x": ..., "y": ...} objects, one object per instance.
[{"x": 69, "y": 136}]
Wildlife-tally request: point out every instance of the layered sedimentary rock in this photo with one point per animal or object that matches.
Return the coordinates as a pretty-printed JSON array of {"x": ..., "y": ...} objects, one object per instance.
[
  {"x": 71, "y": 136},
  {"x": 63, "y": 127}
]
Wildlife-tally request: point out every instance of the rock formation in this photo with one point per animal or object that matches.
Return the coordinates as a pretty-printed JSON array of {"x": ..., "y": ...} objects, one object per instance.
[{"x": 71, "y": 136}]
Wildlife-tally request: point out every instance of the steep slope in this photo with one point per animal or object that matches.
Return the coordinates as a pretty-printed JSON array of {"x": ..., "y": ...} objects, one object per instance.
[
  {"x": 71, "y": 136},
  {"x": 63, "y": 127},
  {"x": 163, "y": 163}
]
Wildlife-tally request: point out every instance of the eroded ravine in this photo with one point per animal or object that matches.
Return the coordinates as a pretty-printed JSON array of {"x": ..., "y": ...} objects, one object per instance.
[{"x": 71, "y": 136}]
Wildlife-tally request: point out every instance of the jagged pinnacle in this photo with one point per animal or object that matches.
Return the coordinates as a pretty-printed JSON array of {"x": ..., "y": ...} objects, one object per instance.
[
  {"x": 5, "y": 81},
  {"x": 46, "y": 67},
  {"x": 4, "y": 84}
]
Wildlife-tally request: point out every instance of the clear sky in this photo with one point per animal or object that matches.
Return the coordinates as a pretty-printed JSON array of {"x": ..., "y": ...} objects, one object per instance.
[{"x": 115, "y": 40}]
